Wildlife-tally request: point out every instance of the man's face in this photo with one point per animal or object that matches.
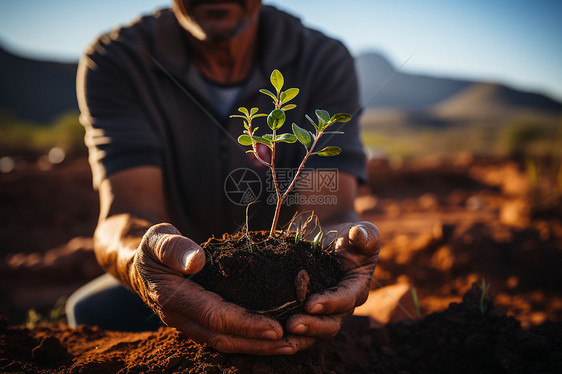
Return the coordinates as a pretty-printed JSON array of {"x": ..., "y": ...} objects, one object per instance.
[{"x": 214, "y": 20}]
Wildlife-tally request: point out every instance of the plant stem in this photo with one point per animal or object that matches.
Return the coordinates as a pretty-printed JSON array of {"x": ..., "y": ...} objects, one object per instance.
[
  {"x": 280, "y": 197},
  {"x": 277, "y": 190}
]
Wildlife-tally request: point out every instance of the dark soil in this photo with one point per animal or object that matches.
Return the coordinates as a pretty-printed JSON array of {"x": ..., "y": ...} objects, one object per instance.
[
  {"x": 460, "y": 339},
  {"x": 260, "y": 272}
]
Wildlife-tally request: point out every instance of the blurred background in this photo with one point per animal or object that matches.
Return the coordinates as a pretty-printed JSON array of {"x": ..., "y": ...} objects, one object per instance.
[{"x": 462, "y": 121}]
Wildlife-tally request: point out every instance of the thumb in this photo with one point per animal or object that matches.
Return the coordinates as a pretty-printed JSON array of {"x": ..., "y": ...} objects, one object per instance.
[
  {"x": 364, "y": 237},
  {"x": 165, "y": 243}
]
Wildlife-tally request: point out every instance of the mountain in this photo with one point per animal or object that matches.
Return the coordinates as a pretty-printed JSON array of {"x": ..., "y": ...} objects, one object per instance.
[
  {"x": 383, "y": 86},
  {"x": 36, "y": 90},
  {"x": 491, "y": 100},
  {"x": 41, "y": 90}
]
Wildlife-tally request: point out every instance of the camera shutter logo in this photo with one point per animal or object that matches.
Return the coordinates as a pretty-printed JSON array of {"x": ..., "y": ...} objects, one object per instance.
[{"x": 242, "y": 186}]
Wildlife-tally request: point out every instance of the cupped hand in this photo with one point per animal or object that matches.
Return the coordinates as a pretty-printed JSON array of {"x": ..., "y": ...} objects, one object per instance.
[
  {"x": 160, "y": 264},
  {"x": 358, "y": 247}
]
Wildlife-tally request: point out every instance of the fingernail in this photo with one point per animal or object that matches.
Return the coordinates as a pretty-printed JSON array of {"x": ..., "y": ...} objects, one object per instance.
[
  {"x": 300, "y": 329},
  {"x": 318, "y": 308},
  {"x": 187, "y": 257},
  {"x": 285, "y": 351},
  {"x": 270, "y": 334},
  {"x": 364, "y": 232}
]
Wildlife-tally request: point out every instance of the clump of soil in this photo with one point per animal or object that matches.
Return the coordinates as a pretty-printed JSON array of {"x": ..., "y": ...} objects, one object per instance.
[
  {"x": 461, "y": 339},
  {"x": 270, "y": 275}
]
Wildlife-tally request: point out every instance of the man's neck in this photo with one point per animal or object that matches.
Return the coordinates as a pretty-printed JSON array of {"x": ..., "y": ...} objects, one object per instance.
[{"x": 228, "y": 61}]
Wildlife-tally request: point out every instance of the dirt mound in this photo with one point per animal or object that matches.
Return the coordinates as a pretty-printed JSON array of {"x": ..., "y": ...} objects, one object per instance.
[{"x": 465, "y": 338}]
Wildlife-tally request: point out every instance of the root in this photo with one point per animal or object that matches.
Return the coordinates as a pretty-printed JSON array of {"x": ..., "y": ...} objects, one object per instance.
[{"x": 279, "y": 307}]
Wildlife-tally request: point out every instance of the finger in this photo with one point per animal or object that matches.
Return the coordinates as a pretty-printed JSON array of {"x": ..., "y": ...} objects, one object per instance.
[
  {"x": 237, "y": 344},
  {"x": 321, "y": 326},
  {"x": 165, "y": 244},
  {"x": 364, "y": 237},
  {"x": 349, "y": 293},
  {"x": 217, "y": 315}
]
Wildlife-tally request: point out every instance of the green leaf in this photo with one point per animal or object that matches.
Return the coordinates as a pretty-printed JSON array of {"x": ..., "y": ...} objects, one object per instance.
[
  {"x": 289, "y": 95},
  {"x": 323, "y": 115},
  {"x": 302, "y": 135},
  {"x": 243, "y": 110},
  {"x": 268, "y": 136},
  {"x": 237, "y": 116},
  {"x": 333, "y": 132},
  {"x": 276, "y": 119},
  {"x": 340, "y": 117},
  {"x": 311, "y": 134},
  {"x": 288, "y": 107},
  {"x": 259, "y": 115},
  {"x": 317, "y": 239},
  {"x": 286, "y": 138},
  {"x": 277, "y": 80},
  {"x": 269, "y": 93},
  {"x": 245, "y": 140},
  {"x": 329, "y": 151},
  {"x": 311, "y": 121},
  {"x": 253, "y": 111},
  {"x": 259, "y": 139}
]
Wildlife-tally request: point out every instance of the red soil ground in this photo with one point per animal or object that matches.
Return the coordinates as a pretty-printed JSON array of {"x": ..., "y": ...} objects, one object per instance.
[{"x": 443, "y": 225}]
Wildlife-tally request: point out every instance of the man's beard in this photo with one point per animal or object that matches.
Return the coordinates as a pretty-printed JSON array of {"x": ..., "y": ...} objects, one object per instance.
[{"x": 217, "y": 35}]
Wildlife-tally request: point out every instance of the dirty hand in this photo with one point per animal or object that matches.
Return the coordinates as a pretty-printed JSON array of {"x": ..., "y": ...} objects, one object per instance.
[
  {"x": 160, "y": 264},
  {"x": 358, "y": 247}
]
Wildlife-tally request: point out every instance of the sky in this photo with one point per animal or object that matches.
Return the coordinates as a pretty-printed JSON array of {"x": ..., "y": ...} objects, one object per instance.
[{"x": 515, "y": 42}]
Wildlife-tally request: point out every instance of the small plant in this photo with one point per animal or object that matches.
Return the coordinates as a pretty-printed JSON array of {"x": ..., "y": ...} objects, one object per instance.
[
  {"x": 54, "y": 315},
  {"x": 275, "y": 120},
  {"x": 483, "y": 296},
  {"x": 416, "y": 302}
]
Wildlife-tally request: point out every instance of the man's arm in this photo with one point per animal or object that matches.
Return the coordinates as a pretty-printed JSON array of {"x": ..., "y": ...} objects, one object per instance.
[
  {"x": 152, "y": 259},
  {"x": 357, "y": 245}
]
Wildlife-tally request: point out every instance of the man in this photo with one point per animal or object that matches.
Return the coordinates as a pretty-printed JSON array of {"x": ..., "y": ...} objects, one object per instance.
[{"x": 155, "y": 98}]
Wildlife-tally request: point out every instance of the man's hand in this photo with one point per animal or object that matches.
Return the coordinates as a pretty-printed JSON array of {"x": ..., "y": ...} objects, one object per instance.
[
  {"x": 358, "y": 247},
  {"x": 162, "y": 260}
]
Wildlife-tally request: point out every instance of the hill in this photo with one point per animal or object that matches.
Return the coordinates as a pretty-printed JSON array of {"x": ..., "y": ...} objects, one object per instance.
[
  {"x": 490, "y": 100},
  {"x": 383, "y": 86},
  {"x": 41, "y": 90},
  {"x": 36, "y": 90}
]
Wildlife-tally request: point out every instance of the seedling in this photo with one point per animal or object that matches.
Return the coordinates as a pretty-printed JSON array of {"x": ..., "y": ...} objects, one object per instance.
[
  {"x": 298, "y": 235},
  {"x": 483, "y": 296},
  {"x": 416, "y": 302},
  {"x": 275, "y": 120},
  {"x": 317, "y": 239}
]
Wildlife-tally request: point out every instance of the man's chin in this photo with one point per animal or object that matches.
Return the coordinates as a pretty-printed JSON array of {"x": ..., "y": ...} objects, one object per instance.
[{"x": 220, "y": 31}]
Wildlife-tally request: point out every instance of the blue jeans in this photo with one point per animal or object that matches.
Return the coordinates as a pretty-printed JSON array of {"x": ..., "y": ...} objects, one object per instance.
[{"x": 106, "y": 303}]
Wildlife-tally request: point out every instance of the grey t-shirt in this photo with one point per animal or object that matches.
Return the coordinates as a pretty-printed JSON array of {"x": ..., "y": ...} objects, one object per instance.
[
  {"x": 221, "y": 97},
  {"x": 139, "y": 108}
]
